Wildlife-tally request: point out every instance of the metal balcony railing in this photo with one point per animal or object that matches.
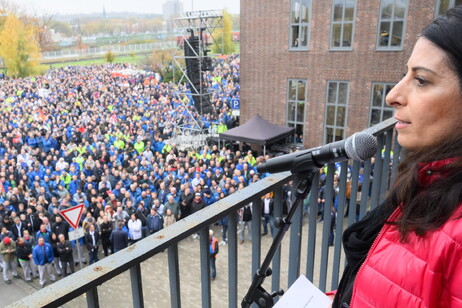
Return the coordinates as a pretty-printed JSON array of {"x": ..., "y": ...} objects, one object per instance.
[{"x": 308, "y": 248}]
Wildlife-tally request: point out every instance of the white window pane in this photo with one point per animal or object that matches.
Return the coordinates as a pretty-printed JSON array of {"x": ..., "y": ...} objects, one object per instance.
[
  {"x": 295, "y": 11},
  {"x": 336, "y": 35},
  {"x": 347, "y": 35},
  {"x": 378, "y": 95},
  {"x": 300, "y": 112},
  {"x": 332, "y": 93},
  {"x": 443, "y": 7},
  {"x": 295, "y": 39},
  {"x": 400, "y": 9},
  {"x": 387, "y": 9},
  {"x": 397, "y": 33},
  {"x": 338, "y": 10},
  {"x": 291, "y": 111},
  {"x": 349, "y": 10},
  {"x": 304, "y": 36},
  {"x": 301, "y": 90},
  {"x": 375, "y": 117},
  {"x": 388, "y": 88},
  {"x": 340, "y": 116},
  {"x": 330, "y": 119},
  {"x": 305, "y": 11},
  {"x": 292, "y": 90},
  {"x": 342, "y": 93},
  {"x": 329, "y": 134},
  {"x": 338, "y": 134},
  {"x": 384, "y": 33}
]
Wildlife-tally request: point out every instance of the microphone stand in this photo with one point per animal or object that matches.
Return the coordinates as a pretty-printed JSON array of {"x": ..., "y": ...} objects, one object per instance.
[{"x": 256, "y": 293}]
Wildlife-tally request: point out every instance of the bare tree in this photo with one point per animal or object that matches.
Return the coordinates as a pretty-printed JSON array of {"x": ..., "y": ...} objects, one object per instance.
[{"x": 42, "y": 25}]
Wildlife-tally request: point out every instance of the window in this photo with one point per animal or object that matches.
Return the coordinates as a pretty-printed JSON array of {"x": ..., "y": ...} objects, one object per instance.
[
  {"x": 343, "y": 14},
  {"x": 391, "y": 24},
  {"x": 380, "y": 111},
  {"x": 296, "y": 95},
  {"x": 336, "y": 111},
  {"x": 443, "y": 5},
  {"x": 300, "y": 14}
]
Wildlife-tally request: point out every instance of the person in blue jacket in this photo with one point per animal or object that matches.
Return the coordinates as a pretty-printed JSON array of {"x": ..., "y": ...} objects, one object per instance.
[{"x": 43, "y": 256}]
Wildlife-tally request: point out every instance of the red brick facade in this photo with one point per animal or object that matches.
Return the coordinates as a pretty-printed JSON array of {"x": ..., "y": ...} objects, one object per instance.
[{"x": 267, "y": 63}]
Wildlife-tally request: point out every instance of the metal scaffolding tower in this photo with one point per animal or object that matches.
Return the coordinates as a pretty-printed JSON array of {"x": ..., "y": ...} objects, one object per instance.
[{"x": 192, "y": 56}]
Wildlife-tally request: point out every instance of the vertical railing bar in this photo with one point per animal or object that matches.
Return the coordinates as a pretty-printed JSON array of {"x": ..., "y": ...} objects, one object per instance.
[
  {"x": 396, "y": 154},
  {"x": 232, "y": 260},
  {"x": 256, "y": 239},
  {"x": 295, "y": 244},
  {"x": 174, "y": 276},
  {"x": 276, "y": 265},
  {"x": 137, "y": 286},
  {"x": 339, "y": 224},
  {"x": 386, "y": 166},
  {"x": 256, "y": 232},
  {"x": 205, "y": 267},
  {"x": 365, "y": 188},
  {"x": 354, "y": 192},
  {"x": 313, "y": 213},
  {"x": 328, "y": 196},
  {"x": 377, "y": 172},
  {"x": 92, "y": 298}
]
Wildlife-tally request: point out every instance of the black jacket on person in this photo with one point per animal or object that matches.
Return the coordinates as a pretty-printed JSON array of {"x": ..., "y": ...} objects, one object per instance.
[
  {"x": 271, "y": 206},
  {"x": 17, "y": 233},
  {"x": 106, "y": 230},
  {"x": 33, "y": 223},
  {"x": 197, "y": 205},
  {"x": 61, "y": 228},
  {"x": 54, "y": 244},
  {"x": 65, "y": 255},
  {"x": 185, "y": 204},
  {"x": 23, "y": 252},
  {"x": 141, "y": 215},
  {"x": 89, "y": 240}
]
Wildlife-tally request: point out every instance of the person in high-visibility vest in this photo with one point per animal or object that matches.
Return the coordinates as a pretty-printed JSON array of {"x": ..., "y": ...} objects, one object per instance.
[{"x": 213, "y": 246}]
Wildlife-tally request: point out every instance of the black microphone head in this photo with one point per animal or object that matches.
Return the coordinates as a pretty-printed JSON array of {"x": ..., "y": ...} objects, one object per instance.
[{"x": 361, "y": 146}]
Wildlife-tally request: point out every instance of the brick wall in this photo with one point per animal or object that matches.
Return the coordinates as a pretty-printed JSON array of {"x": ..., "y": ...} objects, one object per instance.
[{"x": 267, "y": 63}]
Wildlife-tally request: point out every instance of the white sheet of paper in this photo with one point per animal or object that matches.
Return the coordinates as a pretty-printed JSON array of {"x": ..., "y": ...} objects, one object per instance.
[{"x": 303, "y": 294}]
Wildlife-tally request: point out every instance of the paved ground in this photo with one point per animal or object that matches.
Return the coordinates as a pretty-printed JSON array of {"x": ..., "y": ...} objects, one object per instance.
[{"x": 117, "y": 292}]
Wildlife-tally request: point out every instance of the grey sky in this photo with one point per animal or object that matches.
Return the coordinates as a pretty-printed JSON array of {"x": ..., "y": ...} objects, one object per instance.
[{"x": 138, "y": 6}]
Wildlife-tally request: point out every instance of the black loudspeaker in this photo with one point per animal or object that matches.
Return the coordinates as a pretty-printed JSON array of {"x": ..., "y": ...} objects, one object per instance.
[
  {"x": 191, "y": 53},
  {"x": 199, "y": 92}
]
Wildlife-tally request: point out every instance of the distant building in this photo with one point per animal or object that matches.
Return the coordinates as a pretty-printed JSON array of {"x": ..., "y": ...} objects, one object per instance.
[
  {"x": 326, "y": 66},
  {"x": 171, "y": 9}
]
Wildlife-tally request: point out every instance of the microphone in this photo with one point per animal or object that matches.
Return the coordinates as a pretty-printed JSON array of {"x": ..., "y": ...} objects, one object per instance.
[{"x": 360, "y": 146}]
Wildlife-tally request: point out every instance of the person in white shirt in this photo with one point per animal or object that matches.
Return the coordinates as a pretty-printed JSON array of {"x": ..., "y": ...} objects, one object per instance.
[
  {"x": 267, "y": 214},
  {"x": 134, "y": 228}
]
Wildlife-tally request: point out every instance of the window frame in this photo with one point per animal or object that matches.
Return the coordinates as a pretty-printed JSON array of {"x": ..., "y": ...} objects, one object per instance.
[
  {"x": 336, "y": 105},
  {"x": 384, "y": 106},
  {"x": 452, "y": 4},
  {"x": 392, "y": 21},
  {"x": 300, "y": 25},
  {"x": 342, "y": 22},
  {"x": 296, "y": 101}
]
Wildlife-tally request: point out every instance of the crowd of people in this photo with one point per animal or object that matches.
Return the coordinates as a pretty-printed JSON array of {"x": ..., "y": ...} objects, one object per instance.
[{"x": 88, "y": 135}]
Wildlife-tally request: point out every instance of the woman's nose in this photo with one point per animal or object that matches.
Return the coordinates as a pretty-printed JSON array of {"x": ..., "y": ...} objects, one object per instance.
[{"x": 396, "y": 96}]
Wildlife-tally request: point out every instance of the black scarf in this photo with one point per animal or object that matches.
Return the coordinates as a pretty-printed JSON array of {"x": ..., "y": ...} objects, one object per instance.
[{"x": 357, "y": 241}]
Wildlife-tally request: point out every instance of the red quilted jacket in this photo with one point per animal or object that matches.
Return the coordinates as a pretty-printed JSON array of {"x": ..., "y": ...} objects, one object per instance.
[{"x": 422, "y": 272}]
